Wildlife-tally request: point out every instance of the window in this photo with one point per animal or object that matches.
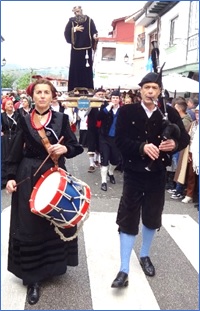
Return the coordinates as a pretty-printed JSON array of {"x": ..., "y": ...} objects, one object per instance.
[
  {"x": 141, "y": 42},
  {"x": 109, "y": 54},
  {"x": 63, "y": 83},
  {"x": 173, "y": 30}
]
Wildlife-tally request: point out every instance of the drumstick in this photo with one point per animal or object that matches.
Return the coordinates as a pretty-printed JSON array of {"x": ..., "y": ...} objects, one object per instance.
[
  {"x": 47, "y": 157},
  {"x": 20, "y": 182}
]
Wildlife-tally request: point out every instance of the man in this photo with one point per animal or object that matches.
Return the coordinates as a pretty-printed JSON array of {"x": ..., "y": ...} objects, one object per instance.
[
  {"x": 141, "y": 140},
  {"x": 81, "y": 33},
  {"x": 110, "y": 155},
  {"x": 93, "y": 134}
]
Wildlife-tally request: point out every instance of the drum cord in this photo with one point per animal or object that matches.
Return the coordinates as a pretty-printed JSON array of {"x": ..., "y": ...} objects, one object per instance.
[{"x": 62, "y": 237}]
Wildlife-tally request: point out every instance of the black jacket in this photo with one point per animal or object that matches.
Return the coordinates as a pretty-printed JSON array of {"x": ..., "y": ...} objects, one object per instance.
[
  {"x": 106, "y": 120},
  {"x": 134, "y": 129}
]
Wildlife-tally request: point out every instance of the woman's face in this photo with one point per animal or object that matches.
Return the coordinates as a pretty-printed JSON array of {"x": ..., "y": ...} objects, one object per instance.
[
  {"x": 25, "y": 103},
  {"x": 9, "y": 107},
  {"x": 42, "y": 96}
]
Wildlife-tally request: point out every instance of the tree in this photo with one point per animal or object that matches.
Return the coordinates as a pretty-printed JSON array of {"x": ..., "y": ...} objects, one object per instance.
[
  {"x": 24, "y": 80},
  {"x": 7, "y": 80}
]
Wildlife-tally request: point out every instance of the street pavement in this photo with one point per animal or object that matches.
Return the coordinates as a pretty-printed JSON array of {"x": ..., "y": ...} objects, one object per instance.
[{"x": 175, "y": 254}]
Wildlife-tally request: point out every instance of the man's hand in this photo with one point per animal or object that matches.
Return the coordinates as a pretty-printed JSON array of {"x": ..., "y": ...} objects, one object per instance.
[
  {"x": 167, "y": 145},
  {"x": 95, "y": 36},
  {"x": 78, "y": 28},
  {"x": 152, "y": 151}
]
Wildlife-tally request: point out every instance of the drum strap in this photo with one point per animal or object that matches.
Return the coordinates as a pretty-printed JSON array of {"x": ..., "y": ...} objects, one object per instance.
[{"x": 45, "y": 142}]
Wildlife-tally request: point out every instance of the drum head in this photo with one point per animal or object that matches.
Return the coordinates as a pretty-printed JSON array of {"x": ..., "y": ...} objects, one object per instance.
[{"x": 45, "y": 191}]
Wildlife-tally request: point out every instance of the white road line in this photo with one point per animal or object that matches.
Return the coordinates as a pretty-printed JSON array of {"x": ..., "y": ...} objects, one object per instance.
[
  {"x": 13, "y": 293},
  {"x": 102, "y": 250},
  {"x": 185, "y": 232}
]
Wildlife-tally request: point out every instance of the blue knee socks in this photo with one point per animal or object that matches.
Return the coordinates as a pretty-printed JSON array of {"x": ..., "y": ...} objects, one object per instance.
[
  {"x": 126, "y": 245},
  {"x": 147, "y": 238}
]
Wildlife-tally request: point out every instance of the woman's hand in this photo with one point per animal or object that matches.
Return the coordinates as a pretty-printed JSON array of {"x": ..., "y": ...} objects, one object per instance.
[
  {"x": 57, "y": 149},
  {"x": 11, "y": 186}
]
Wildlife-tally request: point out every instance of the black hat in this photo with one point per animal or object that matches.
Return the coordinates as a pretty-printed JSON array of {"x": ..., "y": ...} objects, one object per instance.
[
  {"x": 151, "y": 77},
  {"x": 116, "y": 93}
]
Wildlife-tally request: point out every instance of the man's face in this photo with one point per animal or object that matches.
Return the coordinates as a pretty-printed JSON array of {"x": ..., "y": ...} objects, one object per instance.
[
  {"x": 115, "y": 100},
  {"x": 77, "y": 11},
  {"x": 150, "y": 91},
  {"x": 99, "y": 94}
]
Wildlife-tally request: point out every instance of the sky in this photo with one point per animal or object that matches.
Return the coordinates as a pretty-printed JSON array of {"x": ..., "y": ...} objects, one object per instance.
[{"x": 34, "y": 30}]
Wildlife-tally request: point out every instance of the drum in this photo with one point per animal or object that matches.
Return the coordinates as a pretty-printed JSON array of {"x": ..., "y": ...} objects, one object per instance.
[{"x": 61, "y": 198}]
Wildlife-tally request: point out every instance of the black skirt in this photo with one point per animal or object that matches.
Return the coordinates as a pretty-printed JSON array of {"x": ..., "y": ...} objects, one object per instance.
[{"x": 36, "y": 251}]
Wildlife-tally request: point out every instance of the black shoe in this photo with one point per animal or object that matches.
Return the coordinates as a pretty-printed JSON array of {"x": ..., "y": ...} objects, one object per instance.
[
  {"x": 112, "y": 179},
  {"x": 104, "y": 186},
  {"x": 147, "y": 266},
  {"x": 33, "y": 293},
  {"x": 121, "y": 280}
]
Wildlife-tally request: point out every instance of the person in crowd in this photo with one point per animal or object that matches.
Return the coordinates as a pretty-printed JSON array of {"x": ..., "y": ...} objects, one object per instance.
[
  {"x": 110, "y": 155},
  {"x": 81, "y": 33},
  {"x": 179, "y": 177},
  {"x": 83, "y": 127},
  {"x": 26, "y": 106},
  {"x": 36, "y": 251},
  {"x": 146, "y": 142},
  {"x": 9, "y": 120},
  {"x": 192, "y": 103},
  {"x": 128, "y": 99},
  {"x": 93, "y": 133},
  {"x": 193, "y": 161},
  {"x": 71, "y": 114},
  {"x": 56, "y": 105}
]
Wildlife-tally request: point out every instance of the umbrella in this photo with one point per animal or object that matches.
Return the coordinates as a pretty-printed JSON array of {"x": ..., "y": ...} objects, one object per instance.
[{"x": 180, "y": 84}]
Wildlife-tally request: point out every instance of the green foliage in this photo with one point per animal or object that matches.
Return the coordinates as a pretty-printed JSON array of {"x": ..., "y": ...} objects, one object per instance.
[
  {"x": 7, "y": 80},
  {"x": 24, "y": 81}
]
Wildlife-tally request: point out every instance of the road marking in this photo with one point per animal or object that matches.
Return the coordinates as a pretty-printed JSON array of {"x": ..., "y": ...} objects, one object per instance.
[
  {"x": 185, "y": 232},
  {"x": 13, "y": 293},
  {"x": 102, "y": 250}
]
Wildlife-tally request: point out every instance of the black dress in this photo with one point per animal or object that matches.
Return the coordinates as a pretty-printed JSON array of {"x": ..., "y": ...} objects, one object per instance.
[
  {"x": 81, "y": 44},
  {"x": 9, "y": 129},
  {"x": 36, "y": 251}
]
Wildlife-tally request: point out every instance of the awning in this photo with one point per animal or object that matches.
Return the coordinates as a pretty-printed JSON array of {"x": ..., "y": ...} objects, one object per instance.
[{"x": 182, "y": 69}]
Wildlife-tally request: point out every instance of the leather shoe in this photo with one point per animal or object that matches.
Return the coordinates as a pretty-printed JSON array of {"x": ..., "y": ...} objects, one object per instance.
[
  {"x": 147, "y": 266},
  {"x": 33, "y": 293},
  {"x": 112, "y": 179},
  {"x": 104, "y": 186},
  {"x": 121, "y": 280}
]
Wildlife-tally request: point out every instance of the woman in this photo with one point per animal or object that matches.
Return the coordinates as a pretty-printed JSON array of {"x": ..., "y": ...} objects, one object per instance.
[
  {"x": 26, "y": 106},
  {"x": 8, "y": 132},
  {"x": 36, "y": 252}
]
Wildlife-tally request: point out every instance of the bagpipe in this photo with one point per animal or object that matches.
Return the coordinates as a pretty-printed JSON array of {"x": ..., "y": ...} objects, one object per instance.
[{"x": 169, "y": 130}]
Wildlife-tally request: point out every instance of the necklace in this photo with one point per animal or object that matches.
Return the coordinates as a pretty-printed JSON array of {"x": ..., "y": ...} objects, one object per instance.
[
  {"x": 43, "y": 125},
  {"x": 40, "y": 115}
]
